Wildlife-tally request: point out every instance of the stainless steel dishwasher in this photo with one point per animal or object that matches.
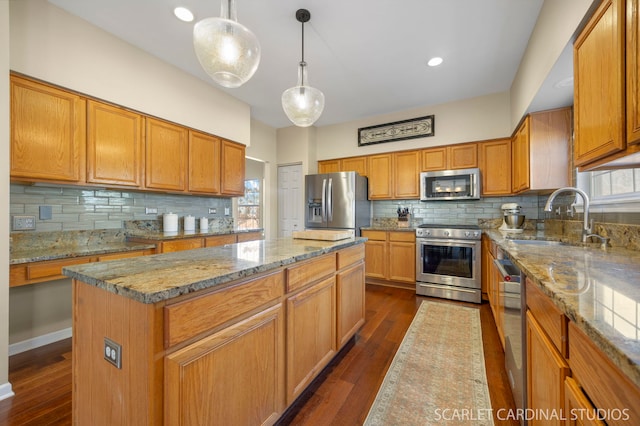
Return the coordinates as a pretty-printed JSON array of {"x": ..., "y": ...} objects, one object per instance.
[{"x": 512, "y": 295}]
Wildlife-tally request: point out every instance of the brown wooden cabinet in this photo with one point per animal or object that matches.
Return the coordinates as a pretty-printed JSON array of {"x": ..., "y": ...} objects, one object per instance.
[
  {"x": 166, "y": 155},
  {"x": 249, "y": 236},
  {"x": 459, "y": 156},
  {"x": 579, "y": 410},
  {"x": 350, "y": 299},
  {"x": 204, "y": 163},
  {"x": 329, "y": 166},
  {"x": 115, "y": 142},
  {"x": 540, "y": 151},
  {"x": 217, "y": 380},
  {"x": 232, "y": 168},
  {"x": 406, "y": 182},
  {"x": 349, "y": 164},
  {"x": 391, "y": 256},
  {"x": 48, "y": 133},
  {"x": 380, "y": 177},
  {"x": 180, "y": 245},
  {"x": 606, "y": 128},
  {"x": 495, "y": 166}
]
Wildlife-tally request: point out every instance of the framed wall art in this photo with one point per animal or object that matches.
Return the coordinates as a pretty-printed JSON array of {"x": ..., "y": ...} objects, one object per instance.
[{"x": 399, "y": 130}]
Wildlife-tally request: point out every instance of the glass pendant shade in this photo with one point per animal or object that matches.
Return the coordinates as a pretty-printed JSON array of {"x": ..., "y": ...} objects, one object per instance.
[
  {"x": 227, "y": 50},
  {"x": 303, "y": 104}
]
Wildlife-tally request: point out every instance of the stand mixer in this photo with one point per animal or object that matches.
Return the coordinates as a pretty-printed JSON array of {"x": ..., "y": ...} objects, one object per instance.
[{"x": 512, "y": 220}]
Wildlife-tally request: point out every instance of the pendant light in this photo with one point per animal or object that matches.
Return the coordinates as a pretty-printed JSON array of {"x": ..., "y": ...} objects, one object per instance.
[
  {"x": 303, "y": 104},
  {"x": 227, "y": 50}
]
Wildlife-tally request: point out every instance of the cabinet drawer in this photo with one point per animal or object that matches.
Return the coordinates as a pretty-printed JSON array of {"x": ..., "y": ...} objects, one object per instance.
[
  {"x": 605, "y": 385},
  {"x": 350, "y": 255},
  {"x": 375, "y": 235},
  {"x": 189, "y": 318},
  {"x": 124, "y": 255},
  {"x": 52, "y": 268},
  {"x": 304, "y": 273},
  {"x": 548, "y": 315},
  {"x": 249, "y": 236},
  {"x": 219, "y": 240},
  {"x": 409, "y": 237},
  {"x": 179, "y": 245}
]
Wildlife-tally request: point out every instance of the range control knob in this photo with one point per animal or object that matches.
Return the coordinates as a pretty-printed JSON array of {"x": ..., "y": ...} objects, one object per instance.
[
  {"x": 446, "y": 233},
  {"x": 467, "y": 234},
  {"x": 476, "y": 234}
]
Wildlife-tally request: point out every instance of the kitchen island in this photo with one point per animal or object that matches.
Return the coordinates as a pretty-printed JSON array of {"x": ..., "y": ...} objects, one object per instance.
[{"x": 222, "y": 335}]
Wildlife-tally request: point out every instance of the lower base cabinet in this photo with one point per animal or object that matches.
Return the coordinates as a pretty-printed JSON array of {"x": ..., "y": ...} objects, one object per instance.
[
  {"x": 232, "y": 377},
  {"x": 391, "y": 256}
]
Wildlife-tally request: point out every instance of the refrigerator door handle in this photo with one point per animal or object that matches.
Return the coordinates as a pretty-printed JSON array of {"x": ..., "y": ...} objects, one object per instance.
[
  {"x": 324, "y": 200},
  {"x": 330, "y": 201}
]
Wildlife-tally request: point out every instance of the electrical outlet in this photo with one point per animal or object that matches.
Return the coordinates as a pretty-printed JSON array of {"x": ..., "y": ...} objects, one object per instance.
[
  {"x": 150, "y": 210},
  {"x": 23, "y": 222},
  {"x": 213, "y": 210},
  {"x": 113, "y": 353},
  {"x": 227, "y": 211}
]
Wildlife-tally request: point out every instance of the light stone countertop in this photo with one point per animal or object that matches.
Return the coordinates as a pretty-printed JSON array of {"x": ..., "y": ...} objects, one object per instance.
[
  {"x": 599, "y": 290},
  {"x": 155, "y": 278}
]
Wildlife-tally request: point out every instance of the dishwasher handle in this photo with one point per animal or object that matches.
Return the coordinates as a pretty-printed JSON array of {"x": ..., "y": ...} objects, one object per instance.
[{"x": 508, "y": 270}]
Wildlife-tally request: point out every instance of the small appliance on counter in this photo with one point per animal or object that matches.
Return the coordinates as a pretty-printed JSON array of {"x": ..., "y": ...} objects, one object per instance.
[{"x": 512, "y": 220}]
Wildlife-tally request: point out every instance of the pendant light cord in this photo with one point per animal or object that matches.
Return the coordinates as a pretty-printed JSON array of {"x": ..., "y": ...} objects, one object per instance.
[{"x": 302, "y": 63}]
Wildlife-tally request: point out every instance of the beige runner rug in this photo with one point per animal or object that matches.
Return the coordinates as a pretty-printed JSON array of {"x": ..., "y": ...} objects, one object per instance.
[{"x": 438, "y": 374}]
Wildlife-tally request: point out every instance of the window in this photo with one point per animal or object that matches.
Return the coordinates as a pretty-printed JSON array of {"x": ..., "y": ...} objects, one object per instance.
[
  {"x": 612, "y": 190},
  {"x": 249, "y": 206}
]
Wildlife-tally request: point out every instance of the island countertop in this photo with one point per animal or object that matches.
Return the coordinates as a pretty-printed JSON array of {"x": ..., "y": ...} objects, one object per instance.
[
  {"x": 599, "y": 290},
  {"x": 155, "y": 278}
]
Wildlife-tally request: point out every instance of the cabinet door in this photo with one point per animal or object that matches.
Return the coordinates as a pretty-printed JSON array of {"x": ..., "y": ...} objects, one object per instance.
[
  {"x": 48, "y": 132},
  {"x": 406, "y": 171},
  {"x": 179, "y": 245},
  {"x": 233, "y": 164},
  {"x": 376, "y": 259},
  {"x": 434, "y": 159},
  {"x": 579, "y": 410},
  {"x": 166, "y": 155},
  {"x": 520, "y": 155},
  {"x": 355, "y": 164},
  {"x": 463, "y": 156},
  {"x": 350, "y": 308},
  {"x": 633, "y": 71},
  {"x": 495, "y": 167},
  {"x": 311, "y": 335},
  {"x": 380, "y": 177},
  {"x": 234, "y": 377},
  {"x": 546, "y": 373},
  {"x": 599, "y": 84},
  {"x": 204, "y": 163},
  {"x": 220, "y": 240},
  {"x": 328, "y": 166},
  {"x": 114, "y": 145}
]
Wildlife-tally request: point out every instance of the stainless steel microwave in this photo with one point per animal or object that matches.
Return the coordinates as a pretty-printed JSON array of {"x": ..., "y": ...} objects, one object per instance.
[{"x": 462, "y": 184}]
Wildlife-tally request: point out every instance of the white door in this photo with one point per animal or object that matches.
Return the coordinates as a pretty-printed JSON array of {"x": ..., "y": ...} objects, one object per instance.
[{"x": 290, "y": 203}]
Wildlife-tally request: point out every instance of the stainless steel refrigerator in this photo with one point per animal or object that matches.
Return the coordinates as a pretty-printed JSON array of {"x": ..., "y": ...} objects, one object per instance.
[{"x": 337, "y": 201}]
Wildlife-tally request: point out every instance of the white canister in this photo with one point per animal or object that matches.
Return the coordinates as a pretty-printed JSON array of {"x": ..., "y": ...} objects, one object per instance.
[
  {"x": 204, "y": 224},
  {"x": 189, "y": 223},
  {"x": 170, "y": 222}
]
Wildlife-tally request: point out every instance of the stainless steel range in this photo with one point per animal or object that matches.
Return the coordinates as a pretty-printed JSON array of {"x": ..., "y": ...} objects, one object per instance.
[{"x": 448, "y": 262}]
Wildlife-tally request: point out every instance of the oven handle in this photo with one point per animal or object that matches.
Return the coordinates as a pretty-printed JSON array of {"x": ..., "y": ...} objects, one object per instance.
[
  {"x": 448, "y": 242},
  {"x": 448, "y": 287}
]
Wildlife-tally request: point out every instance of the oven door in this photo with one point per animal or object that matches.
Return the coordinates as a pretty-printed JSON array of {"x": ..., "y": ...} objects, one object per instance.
[{"x": 448, "y": 262}]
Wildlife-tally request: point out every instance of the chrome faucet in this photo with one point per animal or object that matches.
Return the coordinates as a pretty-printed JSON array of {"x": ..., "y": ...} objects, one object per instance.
[{"x": 586, "y": 228}]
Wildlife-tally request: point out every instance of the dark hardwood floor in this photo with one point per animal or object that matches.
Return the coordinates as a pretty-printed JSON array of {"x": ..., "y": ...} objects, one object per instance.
[{"x": 341, "y": 395}]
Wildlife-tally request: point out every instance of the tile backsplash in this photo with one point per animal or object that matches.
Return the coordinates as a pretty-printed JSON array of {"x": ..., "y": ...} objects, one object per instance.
[{"x": 76, "y": 208}]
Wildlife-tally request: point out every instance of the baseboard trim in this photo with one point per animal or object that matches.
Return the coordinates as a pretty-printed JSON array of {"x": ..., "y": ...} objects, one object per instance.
[
  {"x": 38, "y": 341},
  {"x": 5, "y": 391}
]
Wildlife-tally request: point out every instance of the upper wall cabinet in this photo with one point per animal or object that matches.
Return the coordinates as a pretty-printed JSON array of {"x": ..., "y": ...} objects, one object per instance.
[
  {"x": 233, "y": 168},
  {"x": 115, "y": 142},
  {"x": 460, "y": 156},
  {"x": 607, "y": 111},
  {"x": 350, "y": 164},
  {"x": 495, "y": 166},
  {"x": 47, "y": 133},
  {"x": 540, "y": 151},
  {"x": 204, "y": 163},
  {"x": 166, "y": 155}
]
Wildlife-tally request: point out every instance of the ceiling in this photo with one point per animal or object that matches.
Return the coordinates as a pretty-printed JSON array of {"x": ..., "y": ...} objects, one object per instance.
[{"x": 367, "y": 56}]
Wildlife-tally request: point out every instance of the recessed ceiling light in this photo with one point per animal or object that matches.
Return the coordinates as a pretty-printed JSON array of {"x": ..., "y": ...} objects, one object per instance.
[
  {"x": 434, "y": 62},
  {"x": 183, "y": 14}
]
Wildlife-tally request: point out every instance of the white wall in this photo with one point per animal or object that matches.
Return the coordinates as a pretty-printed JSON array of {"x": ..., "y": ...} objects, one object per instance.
[
  {"x": 481, "y": 118},
  {"x": 264, "y": 148},
  {"x": 298, "y": 145},
  {"x": 5, "y": 387},
  {"x": 554, "y": 29},
  {"x": 52, "y": 45}
]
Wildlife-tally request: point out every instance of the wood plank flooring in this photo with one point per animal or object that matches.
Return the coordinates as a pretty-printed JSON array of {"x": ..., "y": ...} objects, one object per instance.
[{"x": 341, "y": 395}]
